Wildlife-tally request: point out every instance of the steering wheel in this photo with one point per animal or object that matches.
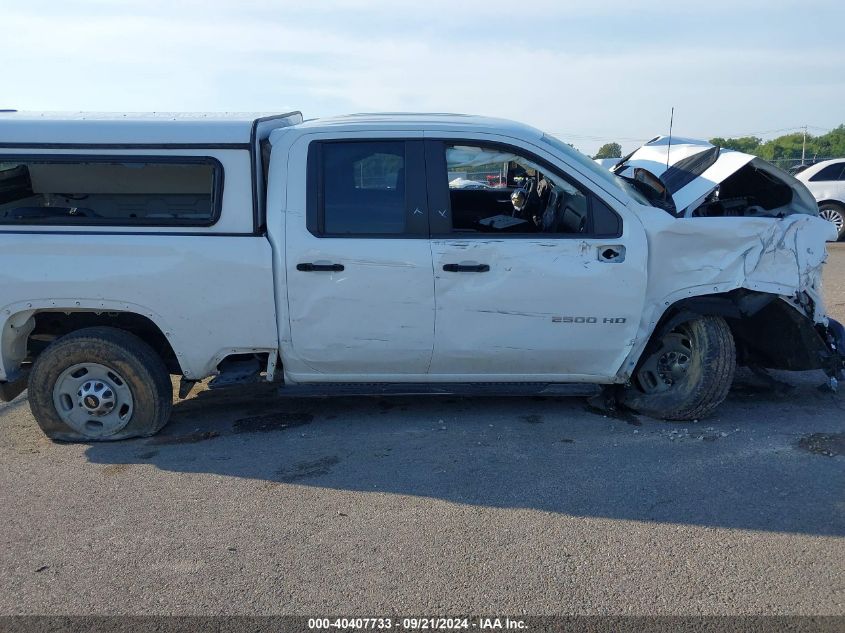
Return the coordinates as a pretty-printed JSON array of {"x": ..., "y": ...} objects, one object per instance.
[{"x": 521, "y": 197}]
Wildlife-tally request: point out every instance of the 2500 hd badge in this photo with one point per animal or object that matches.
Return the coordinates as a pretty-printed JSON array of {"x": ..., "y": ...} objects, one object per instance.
[{"x": 582, "y": 319}]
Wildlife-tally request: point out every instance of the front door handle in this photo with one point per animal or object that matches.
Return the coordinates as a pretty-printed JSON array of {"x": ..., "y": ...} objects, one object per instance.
[
  {"x": 466, "y": 268},
  {"x": 312, "y": 268}
]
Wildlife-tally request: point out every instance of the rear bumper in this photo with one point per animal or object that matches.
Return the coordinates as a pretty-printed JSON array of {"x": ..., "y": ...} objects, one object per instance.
[{"x": 11, "y": 390}]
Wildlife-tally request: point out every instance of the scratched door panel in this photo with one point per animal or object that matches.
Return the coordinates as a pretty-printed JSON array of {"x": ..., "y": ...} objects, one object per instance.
[
  {"x": 360, "y": 297},
  {"x": 545, "y": 307},
  {"x": 534, "y": 301}
]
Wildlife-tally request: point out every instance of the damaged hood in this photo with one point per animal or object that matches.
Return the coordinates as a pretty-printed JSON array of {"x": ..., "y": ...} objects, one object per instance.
[{"x": 692, "y": 170}]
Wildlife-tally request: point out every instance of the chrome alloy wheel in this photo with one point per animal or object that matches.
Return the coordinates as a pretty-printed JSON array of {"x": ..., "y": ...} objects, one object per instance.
[
  {"x": 834, "y": 217},
  {"x": 93, "y": 399}
]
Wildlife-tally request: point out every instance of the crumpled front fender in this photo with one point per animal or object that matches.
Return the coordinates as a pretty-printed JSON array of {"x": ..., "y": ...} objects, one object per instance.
[{"x": 696, "y": 257}]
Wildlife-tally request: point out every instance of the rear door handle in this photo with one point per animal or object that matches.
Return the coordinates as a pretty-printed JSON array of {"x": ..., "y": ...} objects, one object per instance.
[
  {"x": 313, "y": 268},
  {"x": 466, "y": 268}
]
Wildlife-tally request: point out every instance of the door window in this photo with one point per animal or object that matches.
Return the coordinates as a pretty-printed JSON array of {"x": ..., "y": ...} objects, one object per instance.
[
  {"x": 498, "y": 189},
  {"x": 365, "y": 188},
  {"x": 831, "y": 172}
]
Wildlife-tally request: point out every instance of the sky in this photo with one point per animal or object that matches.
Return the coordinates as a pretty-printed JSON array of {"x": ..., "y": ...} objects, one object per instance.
[{"x": 588, "y": 72}]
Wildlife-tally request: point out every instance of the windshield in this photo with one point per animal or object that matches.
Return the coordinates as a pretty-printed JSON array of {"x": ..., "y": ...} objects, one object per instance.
[{"x": 591, "y": 166}]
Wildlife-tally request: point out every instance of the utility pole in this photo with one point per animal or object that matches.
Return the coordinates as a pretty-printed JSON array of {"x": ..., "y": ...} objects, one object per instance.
[{"x": 804, "y": 145}]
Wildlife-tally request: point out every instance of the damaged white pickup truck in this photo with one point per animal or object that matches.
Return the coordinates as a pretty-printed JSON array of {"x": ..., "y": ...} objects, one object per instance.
[{"x": 391, "y": 253}]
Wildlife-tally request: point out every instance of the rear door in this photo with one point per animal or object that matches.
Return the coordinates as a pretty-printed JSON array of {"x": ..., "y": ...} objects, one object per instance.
[
  {"x": 358, "y": 263},
  {"x": 553, "y": 290}
]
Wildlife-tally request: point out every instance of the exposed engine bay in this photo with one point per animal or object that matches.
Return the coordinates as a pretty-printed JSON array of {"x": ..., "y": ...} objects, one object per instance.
[
  {"x": 748, "y": 192},
  {"x": 692, "y": 178}
]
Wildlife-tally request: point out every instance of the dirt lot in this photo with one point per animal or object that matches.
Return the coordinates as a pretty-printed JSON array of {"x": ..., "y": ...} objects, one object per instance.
[{"x": 248, "y": 503}]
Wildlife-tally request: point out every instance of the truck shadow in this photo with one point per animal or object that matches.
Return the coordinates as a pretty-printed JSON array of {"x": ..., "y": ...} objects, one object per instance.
[{"x": 746, "y": 468}]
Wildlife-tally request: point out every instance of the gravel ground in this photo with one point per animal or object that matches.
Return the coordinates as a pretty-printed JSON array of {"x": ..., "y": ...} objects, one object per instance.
[{"x": 252, "y": 504}]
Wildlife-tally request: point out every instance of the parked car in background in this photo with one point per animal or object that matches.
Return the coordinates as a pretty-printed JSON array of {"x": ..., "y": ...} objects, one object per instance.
[
  {"x": 797, "y": 169},
  {"x": 826, "y": 181}
]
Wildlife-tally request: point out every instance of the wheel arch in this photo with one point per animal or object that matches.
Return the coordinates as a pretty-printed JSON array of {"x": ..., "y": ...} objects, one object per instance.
[
  {"x": 768, "y": 331},
  {"x": 26, "y": 330}
]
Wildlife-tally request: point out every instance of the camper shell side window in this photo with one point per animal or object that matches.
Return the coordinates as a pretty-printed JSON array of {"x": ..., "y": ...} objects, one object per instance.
[{"x": 74, "y": 190}]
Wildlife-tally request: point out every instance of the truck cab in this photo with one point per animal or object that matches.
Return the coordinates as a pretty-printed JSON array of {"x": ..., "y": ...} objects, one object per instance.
[
  {"x": 395, "y": 274},
  {"x": 427, "y": 252}
]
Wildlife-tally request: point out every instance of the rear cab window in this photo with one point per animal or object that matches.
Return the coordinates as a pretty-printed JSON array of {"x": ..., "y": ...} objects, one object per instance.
[{"x": 110, "y": 191}]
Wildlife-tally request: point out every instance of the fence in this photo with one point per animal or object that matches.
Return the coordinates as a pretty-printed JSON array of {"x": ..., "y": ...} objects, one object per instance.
[{"x": 790, "y": 164}]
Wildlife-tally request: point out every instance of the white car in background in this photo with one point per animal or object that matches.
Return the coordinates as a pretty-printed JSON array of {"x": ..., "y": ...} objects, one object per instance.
[{"x": 826, "y": 181}]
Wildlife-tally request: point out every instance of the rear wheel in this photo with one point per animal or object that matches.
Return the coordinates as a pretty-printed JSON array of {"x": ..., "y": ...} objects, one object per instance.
[
  {"x": 835, "y": 214},
  {"x": 99, "y": 384},
  {"x": 686, "y": 373}
]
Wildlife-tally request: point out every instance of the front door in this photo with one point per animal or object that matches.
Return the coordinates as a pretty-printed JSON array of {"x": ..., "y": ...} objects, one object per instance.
[
  {"x": 359, "y": 280},
  {"x": 536, "y": 277}
]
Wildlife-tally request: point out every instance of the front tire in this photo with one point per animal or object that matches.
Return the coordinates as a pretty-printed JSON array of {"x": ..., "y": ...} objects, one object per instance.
[
  {"x": 99, "y": 384},
  {"x": 686, "y": 373},
  {"x": 835, "y": 214}
]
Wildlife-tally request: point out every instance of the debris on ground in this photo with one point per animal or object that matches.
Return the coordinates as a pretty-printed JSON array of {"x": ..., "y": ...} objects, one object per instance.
[
  {"x": 708, "y": 435},
  {"x": 617, "y": 412},
  {"x": 532, "y": 418},
  {"x": 188, "y": 438},
  {"x": 827, "y": 444},
  {"x": 307, "y": 469},
  {"x": 271, "y": 422}
]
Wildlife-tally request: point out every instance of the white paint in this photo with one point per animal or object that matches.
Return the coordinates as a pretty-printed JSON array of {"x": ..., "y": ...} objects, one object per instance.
[
  {"x": 532, "y": 312},
  {"x": 393, "y": 314},
  {"x": 212, "y": 295},
  {"x": 133, "y": 127},
  {"x": 691, "y": 257},
  {"x": 374, "y": 317}
]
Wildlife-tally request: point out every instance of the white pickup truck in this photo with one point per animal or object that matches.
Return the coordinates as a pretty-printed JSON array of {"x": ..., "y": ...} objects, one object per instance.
[{"x": 333, "y": 256}]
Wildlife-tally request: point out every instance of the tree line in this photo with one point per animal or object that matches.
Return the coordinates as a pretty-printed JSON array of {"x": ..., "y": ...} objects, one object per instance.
[{"x": 786, "y": 147}]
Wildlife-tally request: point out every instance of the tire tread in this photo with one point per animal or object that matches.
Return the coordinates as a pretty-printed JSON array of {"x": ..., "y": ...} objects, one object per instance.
[{"x": 718, "y": 365}]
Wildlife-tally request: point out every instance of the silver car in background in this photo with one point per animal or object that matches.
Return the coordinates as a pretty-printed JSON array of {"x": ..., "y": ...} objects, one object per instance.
[{"x": 826, "y": 181}]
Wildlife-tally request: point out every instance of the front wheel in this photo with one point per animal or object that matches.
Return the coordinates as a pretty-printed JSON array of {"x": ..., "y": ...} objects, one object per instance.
[
  {"x": 99, "y": 384},
  {"x": 686, "y": 373},
  {"x": 834, "y": 214}
]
